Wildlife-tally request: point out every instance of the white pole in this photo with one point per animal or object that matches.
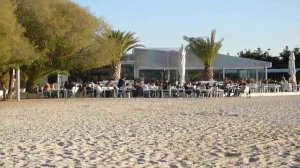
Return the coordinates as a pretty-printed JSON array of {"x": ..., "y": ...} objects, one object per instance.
[
  {"x": 256, "y": 75},
  {"x": 58, "y": 86},
  {"x": 266, "y": 73},
  {"x": 223, "y": 73},
  {"x": 18, "y": 85}
]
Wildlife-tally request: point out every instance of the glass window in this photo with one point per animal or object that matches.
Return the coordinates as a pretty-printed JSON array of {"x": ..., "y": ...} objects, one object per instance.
[
  {"x": 127, "y": 70},
  {"x": 231, "y": 74},
  {"x": 218, "y": 74}
]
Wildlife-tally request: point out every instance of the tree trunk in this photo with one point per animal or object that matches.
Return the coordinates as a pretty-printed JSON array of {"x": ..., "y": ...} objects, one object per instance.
[
  {"x": 208, "y": 73},
  {"x": 116, "y": 70},
  {"x": 30, "y": 86},
  {"x": 11, "y": 85}
]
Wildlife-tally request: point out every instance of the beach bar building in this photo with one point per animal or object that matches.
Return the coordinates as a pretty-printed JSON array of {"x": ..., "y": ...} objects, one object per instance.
[{"x": 160, "y": 64}]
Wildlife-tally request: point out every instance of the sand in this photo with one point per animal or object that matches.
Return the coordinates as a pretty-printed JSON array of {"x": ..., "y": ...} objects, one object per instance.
[{"x": 189, "y": 132}]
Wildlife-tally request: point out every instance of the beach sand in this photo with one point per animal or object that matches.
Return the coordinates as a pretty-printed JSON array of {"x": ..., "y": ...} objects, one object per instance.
[{"x": 213, "y": 132}]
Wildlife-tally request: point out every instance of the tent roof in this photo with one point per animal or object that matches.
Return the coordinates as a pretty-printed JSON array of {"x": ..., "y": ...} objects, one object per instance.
[{"x": 155, "y": 58}]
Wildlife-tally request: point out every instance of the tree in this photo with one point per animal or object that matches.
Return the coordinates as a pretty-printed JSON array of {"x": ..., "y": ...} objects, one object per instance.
[
  {"x": 297, "y": 57},
  {"x": 206, "y": 49},
  {"x": 95, "y": 55},
  {"x": 15, "y": 49},
  {"x": 59, "y": 29},
  {"x": 257, "y": 54},
  {"x": 285, "y": 54},
  {"x": 280, "y": 61},
  {"x": 124, "y": 41}
]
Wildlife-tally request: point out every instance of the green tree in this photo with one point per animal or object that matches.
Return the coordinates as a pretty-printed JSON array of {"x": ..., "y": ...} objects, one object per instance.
[
  {"x": 257, "y": 54},
  {"x": 95, "y": 55},
  {"x": 124, "y": 41},
  {"x": 206, "y": 49},
  {"x": 297, "y": 57},
  {"x": 15, "y": 49},
  {"x": 285, "y": 54},
  {"x": 59, "y": 29},
  {"x": 280, "y": 61}
]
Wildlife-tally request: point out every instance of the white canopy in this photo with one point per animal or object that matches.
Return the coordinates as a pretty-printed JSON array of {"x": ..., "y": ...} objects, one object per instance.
[
  {"x": 182, "y": 61},
  {"x": 292, "y": 67}
]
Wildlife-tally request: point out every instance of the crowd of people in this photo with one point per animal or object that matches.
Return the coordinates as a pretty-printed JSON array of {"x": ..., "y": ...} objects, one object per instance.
[{"x": 139, "y": 88}]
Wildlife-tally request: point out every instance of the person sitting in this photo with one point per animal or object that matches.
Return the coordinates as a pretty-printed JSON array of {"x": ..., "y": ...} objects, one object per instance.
[
  {"x": 285, "y": 86},
  {"x": 110, "y": 86},
  {"x": 152, "y": 89},
  {"x": 166, "y": 88},
  {"x": 175, "y": 85},
  {"x": 188, "y": 88},
  {"x": 138, "y": 90},
  {"x": 198, "y": 89},
  {"x": 242, "y": 89},
  {"x": 89, "y": 88},
  {"x": 158, "y": 84},
  {"x": 227, "y": 87},
  {"x": 121, "y": 82},
  {"x": 146, "y": 91},
  {"x": 47, "y": 90},
  {"x": 99, "y": 90},
  {"x": 68, "y": 85},
  {"x": 165, "y": 85}
]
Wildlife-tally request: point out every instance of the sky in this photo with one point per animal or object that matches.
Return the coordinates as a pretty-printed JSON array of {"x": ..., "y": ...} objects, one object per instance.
[{"x": 244, "y": 24}]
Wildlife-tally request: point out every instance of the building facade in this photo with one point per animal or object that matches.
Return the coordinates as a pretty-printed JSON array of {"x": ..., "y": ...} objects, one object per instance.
[{"x": 160, "y": 64}]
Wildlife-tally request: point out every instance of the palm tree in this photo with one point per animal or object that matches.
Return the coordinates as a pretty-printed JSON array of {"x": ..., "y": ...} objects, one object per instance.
[
  {"x": 206, "y": 49},
  {"x": 124, "y": 41}
]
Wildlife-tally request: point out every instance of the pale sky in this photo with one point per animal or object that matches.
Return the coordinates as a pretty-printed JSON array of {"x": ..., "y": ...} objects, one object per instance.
[{"x": 244, "y": 24}]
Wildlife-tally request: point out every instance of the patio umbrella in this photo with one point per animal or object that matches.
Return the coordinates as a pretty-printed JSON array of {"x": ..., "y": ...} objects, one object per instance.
[
  {"x": 182, "y": 60},
  {"x": 292, "y": 67}
]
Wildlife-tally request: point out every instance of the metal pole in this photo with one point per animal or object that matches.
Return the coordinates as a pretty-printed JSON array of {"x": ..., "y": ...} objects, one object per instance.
[
  {"x": 137, "y": 73},
  {"x": 223, "y": 73},
  {"x": 18, "y": 85},
  {"x": 134, "y": 71},
  {"x": 266, "y": 73},
  {"x": 135, "y": 66},
  {"x": 256, "y": 74}
]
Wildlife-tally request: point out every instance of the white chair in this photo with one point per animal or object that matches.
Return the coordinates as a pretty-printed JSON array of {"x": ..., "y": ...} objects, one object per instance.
[
  {"x": 168, "y": 91},
  {"x": 295, "y": 87},
  {"x": 286, "y": 87},
  {"x": 273, "y": 87},
  {"x": 264, "y": 88},
  {"x": 146, "y": 90},
  {"x": 216, "y": 92},
  {"x": 99, "y": 91},
  {"x": 253, "y": 87},
  {"x": 204, "y": 92}
]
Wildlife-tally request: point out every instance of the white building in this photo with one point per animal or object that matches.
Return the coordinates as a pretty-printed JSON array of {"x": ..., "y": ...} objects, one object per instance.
[{"x": 159, "y": 63}]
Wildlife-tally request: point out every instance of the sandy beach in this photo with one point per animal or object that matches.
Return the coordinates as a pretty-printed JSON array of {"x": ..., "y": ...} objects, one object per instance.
[{"x": 213, "y": 132}]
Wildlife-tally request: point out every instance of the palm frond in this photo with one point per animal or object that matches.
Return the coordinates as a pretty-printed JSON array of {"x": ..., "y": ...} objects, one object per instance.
[
  {"x": 125, "y": 41},
  {"x": 204, "y": 47}
]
